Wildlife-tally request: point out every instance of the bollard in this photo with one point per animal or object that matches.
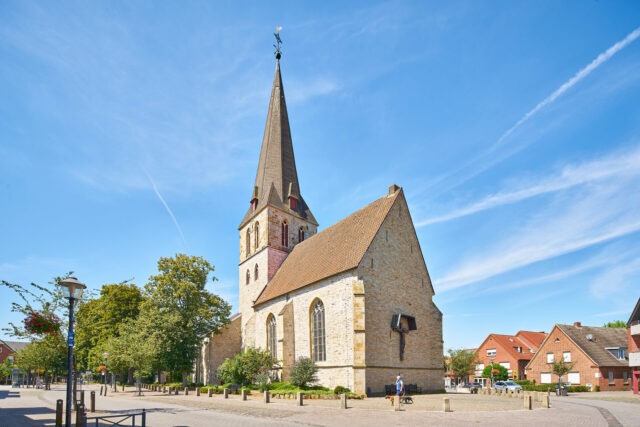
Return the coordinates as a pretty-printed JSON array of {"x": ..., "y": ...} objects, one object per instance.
[
  {"x": 82, "y": 397},
  {"x": 176, "y": 391},
  {"x": 100, "y": 390},
  {"x": 226, "y": 393},
  {"x": 244, "y": 394},
  {"x": 545, "y": 401},
  {"x": 93, "y": 401},
  {"x": 343, "y": 401},
  {"x": 210, "y": 392},
  {"x": 300, "y": 399},
  {"x": 489, "y": 391},
  {"x": 535, "y": 396},
  {"x": 527, "y": 402},
  {"x": 267, "y": 396},
  {"x": 197, "y": 391},
  {"x": 396, "y": 403},
  {"x": 122, "y": 387},
  {"x": 59, "y": 413},
  {"x": 105, "y": 390},
  {"x": 80, "y": 416},
  {"x": 186, "y": 391},
  {"x": 446, "y": 404}
]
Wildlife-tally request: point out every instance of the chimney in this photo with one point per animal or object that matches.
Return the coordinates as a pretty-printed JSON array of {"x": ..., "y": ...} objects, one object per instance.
[
  {"x": 577, "y": 325},
  {"x": 393, "y": 188}
]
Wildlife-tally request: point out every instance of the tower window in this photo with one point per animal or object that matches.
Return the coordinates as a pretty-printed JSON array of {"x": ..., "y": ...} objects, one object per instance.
[
  {"x": 257, "y": 235},
  {"x": 248, "y": 243},
  {"x": 285, "y": 234},
  {"x": 248, "y": 278},
  {"x": 300, "y": 234},
  {"x": 318, "y": 344},
  {"x": 255, "y": 272}
]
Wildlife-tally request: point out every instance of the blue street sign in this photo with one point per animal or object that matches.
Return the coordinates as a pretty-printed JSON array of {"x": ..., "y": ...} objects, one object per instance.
[{"x": 70, "y": 340}]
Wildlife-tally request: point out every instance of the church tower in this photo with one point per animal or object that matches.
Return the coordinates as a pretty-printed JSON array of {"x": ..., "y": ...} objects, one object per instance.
[{"x": 278, "y": 217}]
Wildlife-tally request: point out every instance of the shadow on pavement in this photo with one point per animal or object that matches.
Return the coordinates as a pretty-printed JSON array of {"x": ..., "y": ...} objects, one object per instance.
[
  {"x": 4, "y": 394},
  {"x": 21, "y": 417}
]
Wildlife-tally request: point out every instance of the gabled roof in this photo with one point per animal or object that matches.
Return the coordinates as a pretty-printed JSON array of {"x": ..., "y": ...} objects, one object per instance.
[
  {"x": 334, "y": 250},
  {"x": 15, "y": 346},
  {"x": 635, "y": 315},
  {"x": 510, "y": 344},
  {"x": 531, "y": 339},
  {"x": 277, "y": 177},
  {"x": 594, "y": 340}
]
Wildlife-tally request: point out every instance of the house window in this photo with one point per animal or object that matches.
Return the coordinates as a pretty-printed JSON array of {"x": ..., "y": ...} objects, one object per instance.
[
  {"x": 257, "y": 235},
  {"x": 506, "y": 365},
  {"x": 574, "y": 378},
  {"x": 611, "y": 381},
  {"x": 566, "y": 356},
  {"x": 272, "y": 342},
  {"x": 549, "y": 357},
  {"x": 300, "y": 234},
  {"x": 318, "y": 349},
  {"x": 545, "y": 378},
  {"x": 284, "y": 238},
  {"x": 248, "y": 245},
  {"x": 491, "y": 352},
  {"x": 255, "y": 272},
  {"x": 248, "y": 276}
]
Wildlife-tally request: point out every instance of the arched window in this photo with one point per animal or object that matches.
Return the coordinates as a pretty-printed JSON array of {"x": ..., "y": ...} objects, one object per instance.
[
  {"x": 257, "y": 235},
  {"x": 318, "y": 345},
  {"x": 272, "y": 342},
  {"x": 300, "y": 234},
  {"x": 248, "y": 276},
  {"x": 285, "y": 234},
  {"x": 255, "y": 272},
  {"x": 248, "y": 245}
]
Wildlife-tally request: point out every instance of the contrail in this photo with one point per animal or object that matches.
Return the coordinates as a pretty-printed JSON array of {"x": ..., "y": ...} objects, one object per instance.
[
  {"x": 466, "y": 172},
  {"x": 166, "y": 206}
]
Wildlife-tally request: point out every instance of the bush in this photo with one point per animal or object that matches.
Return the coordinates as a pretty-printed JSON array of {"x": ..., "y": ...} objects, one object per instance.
[
  {"x": 522, "y": 382},
  {"x": 304, "y": 372},
  {"x": 552, "y": 388},
  {"x": 245, "y": 368},
  {"x": 339, "y": 390}
]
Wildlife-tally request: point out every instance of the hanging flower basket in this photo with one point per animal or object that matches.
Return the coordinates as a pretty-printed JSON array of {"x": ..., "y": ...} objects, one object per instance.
[
  {"x": 41, "y": 323},
  {"x": 495, "y": 371}
]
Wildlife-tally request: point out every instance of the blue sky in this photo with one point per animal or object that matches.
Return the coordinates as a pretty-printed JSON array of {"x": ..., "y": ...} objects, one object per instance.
[{"x": 131, "y": 131}]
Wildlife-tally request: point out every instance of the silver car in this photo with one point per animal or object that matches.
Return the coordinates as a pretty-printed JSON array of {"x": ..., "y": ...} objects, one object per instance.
[{"x": 507, "y": 385}]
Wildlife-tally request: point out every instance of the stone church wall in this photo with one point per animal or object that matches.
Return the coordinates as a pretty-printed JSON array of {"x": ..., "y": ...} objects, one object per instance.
[
  {"x": 396, "y": 281},
  {"x": 220, "y": 346}
]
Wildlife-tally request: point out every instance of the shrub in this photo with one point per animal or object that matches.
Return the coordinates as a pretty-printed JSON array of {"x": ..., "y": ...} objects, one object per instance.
[
  {"x": 339, "y": 390},
  {"x": 263, "y": 381},
  {"x": 522, "y": 382},
  {"x": 245, "y": 368},
  {"x": 304, "y": 372}
]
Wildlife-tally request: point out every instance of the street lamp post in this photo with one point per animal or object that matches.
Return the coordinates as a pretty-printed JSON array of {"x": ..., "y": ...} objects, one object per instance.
[
  {"x": 71, "y": 289},
  {"x": 492, "y": 372},
  {"x": 106, "y": 370}
]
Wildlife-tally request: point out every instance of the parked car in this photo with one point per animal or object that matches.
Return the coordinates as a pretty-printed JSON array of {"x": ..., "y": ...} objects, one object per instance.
[
  {"x": 473, "y": 387},
  {"x": 507, "y": 385}
]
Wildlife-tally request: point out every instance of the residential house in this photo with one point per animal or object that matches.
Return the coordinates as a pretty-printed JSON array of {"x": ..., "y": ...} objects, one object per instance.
[
  {"x": 511, "y": 351},
  {"x": 8, "y": 349},
  {"x": 633, "y": 332},
  {"x": 598, "y": 357}
]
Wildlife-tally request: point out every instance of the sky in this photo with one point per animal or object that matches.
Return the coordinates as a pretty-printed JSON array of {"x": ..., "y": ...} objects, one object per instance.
[{"x": 131, "y": 131}]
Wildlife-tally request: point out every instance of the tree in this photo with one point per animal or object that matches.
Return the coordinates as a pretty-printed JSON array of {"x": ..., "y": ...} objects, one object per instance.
[
  {"x": 100, "y": 319},
  {"x": 5, "y": 370},
  {"x": 462, "y": 363},
  {"x": 48, "y": 355},
  {"x": 182, "y": 311},
  {"x": 616, "y": 324},
  {"x": 304, "y": 372},
  {"x": 560, "y": 368},
  {"x": 500, "y": 373}
]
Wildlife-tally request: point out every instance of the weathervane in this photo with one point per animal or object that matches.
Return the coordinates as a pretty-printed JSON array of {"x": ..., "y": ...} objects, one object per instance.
[{"x": 278, "y": 43}]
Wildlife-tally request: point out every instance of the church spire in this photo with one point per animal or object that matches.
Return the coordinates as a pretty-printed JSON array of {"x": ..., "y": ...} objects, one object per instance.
[{"x": 276, "y": 181}]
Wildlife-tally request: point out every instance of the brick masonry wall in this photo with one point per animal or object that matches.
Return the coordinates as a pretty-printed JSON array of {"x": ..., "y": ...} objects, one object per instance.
[
  {"x": 396, "y": 281},
  {"x": 590, "y": 374}
]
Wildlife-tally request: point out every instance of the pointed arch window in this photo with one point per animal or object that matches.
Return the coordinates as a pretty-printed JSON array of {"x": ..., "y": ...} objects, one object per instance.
[
  {"x": 272, "y": 341},
  {"x": 255, "y": 272},
  {"x": 300, "y": 234},
  {"x": 318, "y": 343},
  {"x": 248, "y": 243},
  {"x": 248, "y": 278},
  {"x": 256, "y": 238},
  {"x": 285, "y": 234}
]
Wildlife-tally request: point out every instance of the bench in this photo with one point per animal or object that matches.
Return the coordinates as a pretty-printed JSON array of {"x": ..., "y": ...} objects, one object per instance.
[{"x": 390, "y": 389}]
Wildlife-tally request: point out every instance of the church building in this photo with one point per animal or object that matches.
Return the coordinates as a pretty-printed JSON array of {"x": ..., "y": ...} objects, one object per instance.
[{"x": 355, "y": 297}]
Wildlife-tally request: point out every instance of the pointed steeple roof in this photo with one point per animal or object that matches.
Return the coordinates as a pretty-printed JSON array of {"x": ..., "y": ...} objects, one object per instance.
[{"x": 277, "y": 177}]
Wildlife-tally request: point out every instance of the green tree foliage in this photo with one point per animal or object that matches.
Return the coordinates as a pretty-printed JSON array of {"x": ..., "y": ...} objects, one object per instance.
[
  {"x": 182, "y": 311},
  {"x": 500, "y": 373},
  {"x": 5, "y": 371},
  {"x": 304, "y": 372},
  {"x": 462, "y": 363},
  {"x": 561, "y": 368},
  {"x": 249, "y": 367},
  {"x": 48, "y": 354},
  {"x": 616, "y": 324},
  {"x": 100, "y": 319}
]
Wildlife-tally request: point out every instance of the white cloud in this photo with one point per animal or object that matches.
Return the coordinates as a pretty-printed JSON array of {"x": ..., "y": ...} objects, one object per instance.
[{"x": 616, "y": 279}]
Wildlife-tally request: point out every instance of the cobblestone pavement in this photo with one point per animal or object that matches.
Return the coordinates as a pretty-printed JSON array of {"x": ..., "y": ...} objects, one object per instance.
[{"x": 30, "y": 408}]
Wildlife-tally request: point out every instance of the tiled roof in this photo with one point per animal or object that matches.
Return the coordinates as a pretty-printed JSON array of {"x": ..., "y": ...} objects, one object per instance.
[
  {"x": 16, "y": 346},
  {"x": 510, "y": 344},
  {"x": 531, "y": 339},
  {"x": 601, "y": 339},
  {"x": 334, "y": 250}
]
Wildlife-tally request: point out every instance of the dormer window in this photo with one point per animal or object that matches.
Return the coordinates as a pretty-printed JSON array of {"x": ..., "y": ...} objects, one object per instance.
[
  {"x": 619, "y": 353},
  {"x": 292, "y": 202},
  {"x": 254, "y": 204}
]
